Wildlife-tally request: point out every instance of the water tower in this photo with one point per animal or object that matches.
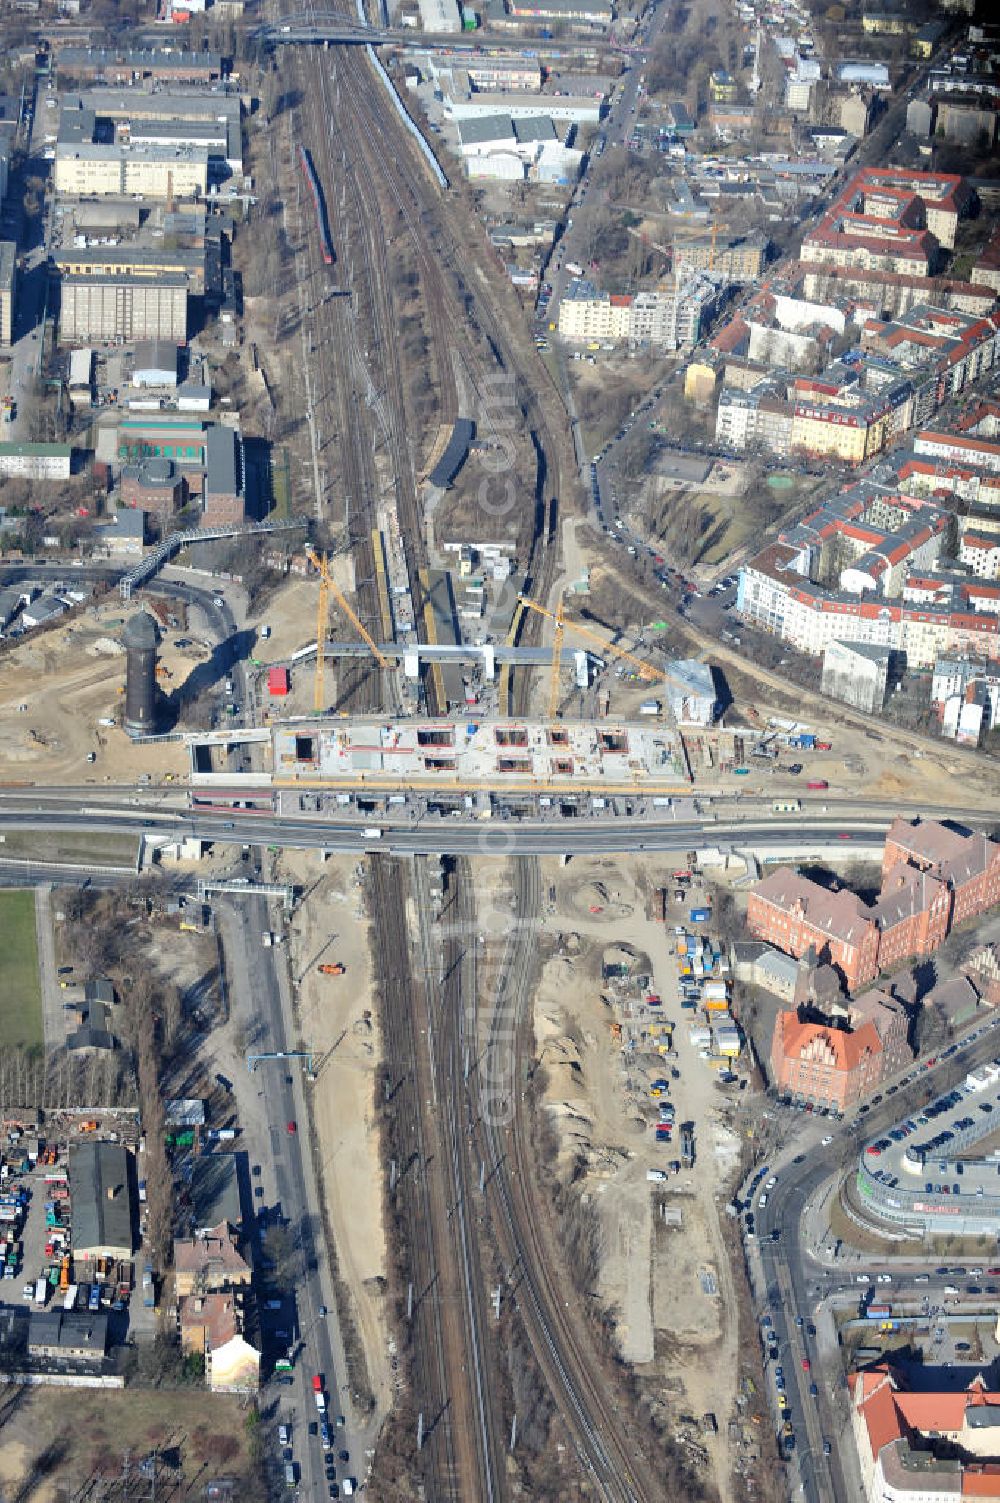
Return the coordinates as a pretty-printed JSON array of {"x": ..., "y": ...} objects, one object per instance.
[{"x": 140, "y": 638}]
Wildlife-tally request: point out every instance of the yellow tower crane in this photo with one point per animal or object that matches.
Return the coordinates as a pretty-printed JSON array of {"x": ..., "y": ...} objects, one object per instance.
[
  {"x": 644, "y": 670},
  {"x": 328, "y": 586}
]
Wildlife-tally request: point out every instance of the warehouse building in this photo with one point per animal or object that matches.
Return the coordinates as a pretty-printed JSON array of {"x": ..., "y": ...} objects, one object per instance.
[
  {"x": 8, "y": 291},
  {"x": 36, "y": 461},
  {"x": 140, "y": 261},
  {"x": 129, "y": 65},
  {"x": 225, "y": 500},
  {"x": 100, "y": 1184},
  {"x": 68, "y": 1338},
  {"x": 94, "y": 170},
  {"x": 103, "y": 309}
]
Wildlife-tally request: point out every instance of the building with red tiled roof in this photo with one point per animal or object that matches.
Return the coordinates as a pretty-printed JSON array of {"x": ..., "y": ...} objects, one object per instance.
[
  {"x": 925, "y": 1446},
  {"x": 933, "y": 877},
  {"x": 830, "y": 1066}
]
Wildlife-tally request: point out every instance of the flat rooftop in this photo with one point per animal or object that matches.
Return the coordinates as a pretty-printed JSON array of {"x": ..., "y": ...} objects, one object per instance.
[
  {"x": 491, "y": 754},
  {"x": 933, "y": 1150}
]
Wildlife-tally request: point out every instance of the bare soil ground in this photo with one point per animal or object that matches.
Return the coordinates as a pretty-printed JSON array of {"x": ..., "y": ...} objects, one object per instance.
[
  {"x": 336, "y": 1015},
  {"x": 663, "y": 1268},
  {"x": 67, "y": 680},
  {"x": 42, "y": 1455}
]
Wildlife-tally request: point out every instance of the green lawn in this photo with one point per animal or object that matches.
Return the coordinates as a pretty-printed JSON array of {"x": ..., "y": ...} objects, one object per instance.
[{"x": 20, "y": 989}]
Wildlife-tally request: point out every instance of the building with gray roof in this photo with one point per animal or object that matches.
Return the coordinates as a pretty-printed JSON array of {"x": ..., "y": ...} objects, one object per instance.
[
  {"x": 68, "y": 1336},
  {"x": 100, "y": 1184},
  {"x": 214, "y": 1190}
]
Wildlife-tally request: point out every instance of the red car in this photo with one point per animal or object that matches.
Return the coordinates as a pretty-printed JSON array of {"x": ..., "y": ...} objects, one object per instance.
[
  {"x": 292, "y": 1127},
  {"x": 805, "y": 1364}
]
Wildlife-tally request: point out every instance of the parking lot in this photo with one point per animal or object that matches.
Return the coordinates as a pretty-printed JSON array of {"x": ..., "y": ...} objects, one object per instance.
[{"x": 39, "y": 1268}]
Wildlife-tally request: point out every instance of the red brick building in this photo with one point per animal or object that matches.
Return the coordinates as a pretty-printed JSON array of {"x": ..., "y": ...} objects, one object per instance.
[
  {"x": 933, "y": 877},
  {"x": 968, "y": 864},
  {"x": 838, "y": 1061},
  {"x": 824, "y": 1064},
  {"x": 794, "y": 914},
  {"x": 912, "y": 912},
  {"x": 155, "y": 486}
]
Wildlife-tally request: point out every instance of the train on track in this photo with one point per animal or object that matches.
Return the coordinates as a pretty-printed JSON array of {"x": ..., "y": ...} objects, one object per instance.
[{"x": 319, "y": 205}]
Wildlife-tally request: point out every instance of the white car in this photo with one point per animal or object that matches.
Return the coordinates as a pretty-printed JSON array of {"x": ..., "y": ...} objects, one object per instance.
[
  {"x": 825, "y": 1142},
  {"x": 762, "y": 1202},
  {"x": 771, "y": 1182},
  {"x": 885, "y": 1278}
]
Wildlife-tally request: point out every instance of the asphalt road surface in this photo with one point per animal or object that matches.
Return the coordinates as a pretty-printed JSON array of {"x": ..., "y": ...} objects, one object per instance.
[
  {"x": 796, "y": 1283},
  {"x": 280, "y": 1083}
]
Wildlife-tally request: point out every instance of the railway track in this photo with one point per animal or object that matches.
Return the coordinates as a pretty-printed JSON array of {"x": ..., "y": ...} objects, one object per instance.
[
  {"x": 416, "y": 1196},
  {"x": 561, "y": 1344},
  {"x": 353, "y": 146},
  {"x": 450, "y": 978}
]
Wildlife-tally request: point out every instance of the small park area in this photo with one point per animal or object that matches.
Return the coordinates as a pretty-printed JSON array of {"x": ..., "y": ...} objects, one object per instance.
[{"x": 20, "y": 986}]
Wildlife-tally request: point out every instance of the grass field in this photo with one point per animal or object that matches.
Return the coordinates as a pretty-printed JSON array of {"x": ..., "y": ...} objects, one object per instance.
[
  {"x": 79, "y": 849},
  {"x": 20, "y": 988},
  {"x": 45, "y": 1447}
]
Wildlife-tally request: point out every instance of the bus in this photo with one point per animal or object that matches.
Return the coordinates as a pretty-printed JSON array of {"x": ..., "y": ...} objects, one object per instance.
[{"x": 786, "y": 806}]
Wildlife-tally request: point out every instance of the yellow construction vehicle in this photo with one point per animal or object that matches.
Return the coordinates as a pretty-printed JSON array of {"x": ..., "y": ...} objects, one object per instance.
[
  {"x": 328, "y": 586},
  {"x": 644, "y": 670}
]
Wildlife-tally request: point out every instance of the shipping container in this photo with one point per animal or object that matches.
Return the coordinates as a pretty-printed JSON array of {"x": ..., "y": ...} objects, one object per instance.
[
  {"x": 817, "y": 784},
  {"x": 278, "y": 682}
]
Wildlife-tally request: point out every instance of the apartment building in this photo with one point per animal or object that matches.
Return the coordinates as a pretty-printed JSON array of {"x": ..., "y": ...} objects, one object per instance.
[
  {"x": 738, "y": 261},
  {"x": 926, "y": 1445},
  {"x": 893, "y": 294},
  {"x": 776, "y": 595},
  {"x": 890, "y": 219},
  {"x": 986, "y": 271},
  {"x": 757, "y": 419},
  {"x": 8, "y": 291},
  {"x": 858, "y": 674},
  {"x": 955, "y": 348},
  {"x": 670, "y": 317},
  {"x": 98, "y": 309},
  {"x": 923, "y": 476},
  {"x": 94, "y": 170},
  {"x": 981, "y": 551},
  {"x": 958, "y": 448},
  {"x": 849, "y": 433}
]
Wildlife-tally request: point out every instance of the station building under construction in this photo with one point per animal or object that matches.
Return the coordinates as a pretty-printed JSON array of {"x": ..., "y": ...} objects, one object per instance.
[{"x": 421, "y": 755}]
